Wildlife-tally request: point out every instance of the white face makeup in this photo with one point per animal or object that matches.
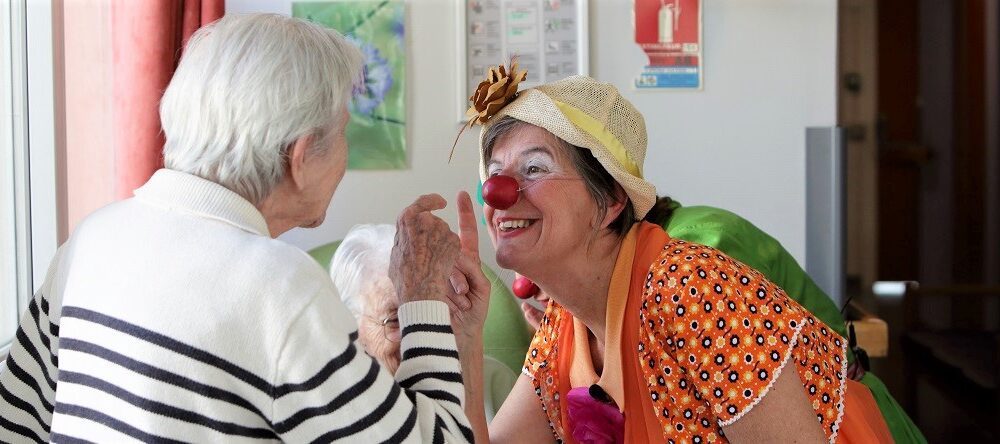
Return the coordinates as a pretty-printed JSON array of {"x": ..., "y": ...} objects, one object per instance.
[{"x": 533, "y": 164}]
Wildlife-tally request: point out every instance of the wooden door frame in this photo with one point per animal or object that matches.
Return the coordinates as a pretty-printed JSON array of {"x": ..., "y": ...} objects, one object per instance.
[{"x": 857, "y": 95}]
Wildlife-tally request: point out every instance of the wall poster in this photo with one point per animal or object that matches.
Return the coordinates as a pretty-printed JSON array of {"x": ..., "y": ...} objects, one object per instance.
[
  {"x": 377, "y": 130},
  {"x": 548, "y": 37},
  {"x": 669, "y": 32}
]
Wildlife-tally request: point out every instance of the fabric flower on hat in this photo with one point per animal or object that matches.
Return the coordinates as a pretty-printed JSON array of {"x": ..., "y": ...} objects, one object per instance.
[
  {"x": 499, "y": 89},
  {"x": 594, "y": 421},
  {"x": 492, "y": 94}
]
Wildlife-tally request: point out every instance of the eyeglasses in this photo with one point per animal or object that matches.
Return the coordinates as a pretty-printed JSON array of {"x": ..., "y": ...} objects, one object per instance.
[{"x": 390, "y": 328}]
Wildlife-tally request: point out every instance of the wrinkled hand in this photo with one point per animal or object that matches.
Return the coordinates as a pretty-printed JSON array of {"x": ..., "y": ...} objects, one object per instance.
[
  {"x": 470, "y": 295},
  {"x": 424, "y": 253}
]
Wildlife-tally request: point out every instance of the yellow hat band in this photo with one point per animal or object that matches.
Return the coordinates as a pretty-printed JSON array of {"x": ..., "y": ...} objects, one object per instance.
[{"x": 597, "y": 130}]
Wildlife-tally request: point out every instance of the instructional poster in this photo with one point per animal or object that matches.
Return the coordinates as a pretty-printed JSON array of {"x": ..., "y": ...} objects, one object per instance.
[
  {"x": 669, "y": 32},
  {"x": 544, "y": 35}
]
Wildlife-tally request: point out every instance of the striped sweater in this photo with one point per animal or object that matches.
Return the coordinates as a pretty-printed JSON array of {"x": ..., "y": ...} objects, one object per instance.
[{"x": 173, "y": 316}]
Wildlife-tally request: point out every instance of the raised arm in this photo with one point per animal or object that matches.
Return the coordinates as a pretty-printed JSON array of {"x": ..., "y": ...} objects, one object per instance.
[
  {"x": 350, "y": 397},
  {"x": 469, "y": 305}
]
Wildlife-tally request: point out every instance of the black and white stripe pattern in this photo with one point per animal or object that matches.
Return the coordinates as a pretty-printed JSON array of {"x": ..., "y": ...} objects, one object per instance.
[
  {"x": 28, "y": 377},
  {"x": 27, "y": 395},
  {"x": 134, "y": 340}
]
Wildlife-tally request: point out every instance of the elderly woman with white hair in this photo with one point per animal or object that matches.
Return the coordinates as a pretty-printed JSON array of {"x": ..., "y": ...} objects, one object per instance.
[
  {"x": 359, "y": 270},
  {"x": 176, "y": 316}
]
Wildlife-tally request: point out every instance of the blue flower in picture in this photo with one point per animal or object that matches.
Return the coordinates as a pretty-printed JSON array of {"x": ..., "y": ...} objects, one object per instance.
[
  {"x": 398, "y": 28},
  {"x": 370, "y": 92},
  {"x": 377, "y": 129}
]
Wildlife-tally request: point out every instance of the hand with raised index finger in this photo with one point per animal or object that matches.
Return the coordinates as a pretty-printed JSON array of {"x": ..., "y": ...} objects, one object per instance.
[
  {"x": 471, "y": 295},
  {"x": 424, "y": 253}
]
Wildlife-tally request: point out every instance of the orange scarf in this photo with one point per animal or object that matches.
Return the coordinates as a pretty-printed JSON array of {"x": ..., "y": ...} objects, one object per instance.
[{"x": 622, "y": 370}]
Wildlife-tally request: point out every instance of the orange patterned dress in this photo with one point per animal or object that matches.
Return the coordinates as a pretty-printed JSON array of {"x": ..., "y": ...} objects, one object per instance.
[{"x": 697, "y": 345}]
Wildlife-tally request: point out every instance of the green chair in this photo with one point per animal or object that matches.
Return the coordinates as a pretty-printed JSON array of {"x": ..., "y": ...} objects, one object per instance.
[{"x": 324, "y": 254}]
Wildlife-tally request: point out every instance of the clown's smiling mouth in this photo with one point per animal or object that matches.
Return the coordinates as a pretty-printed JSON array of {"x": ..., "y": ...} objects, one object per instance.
[{"x": 514, "y": 224}]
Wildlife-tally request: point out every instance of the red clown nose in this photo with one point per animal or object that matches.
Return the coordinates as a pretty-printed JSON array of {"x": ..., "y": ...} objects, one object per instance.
[{"x": 500, "y": 192}]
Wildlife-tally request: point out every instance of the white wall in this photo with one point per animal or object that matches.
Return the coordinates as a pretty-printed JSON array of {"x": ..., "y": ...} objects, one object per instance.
[
  {"x": 770, "y": 71},
  {"x": 770, "y": 68}
]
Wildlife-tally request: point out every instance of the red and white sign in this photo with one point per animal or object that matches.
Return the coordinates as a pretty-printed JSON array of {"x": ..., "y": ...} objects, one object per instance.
[{"x": 669, "y": 32}]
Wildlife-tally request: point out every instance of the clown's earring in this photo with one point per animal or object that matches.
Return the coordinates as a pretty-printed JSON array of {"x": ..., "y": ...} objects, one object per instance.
[{"x": 524, "y": 288}]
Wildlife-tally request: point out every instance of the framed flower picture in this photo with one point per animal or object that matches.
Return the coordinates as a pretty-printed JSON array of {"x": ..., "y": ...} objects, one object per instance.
[{"x": 377, "y": 130}]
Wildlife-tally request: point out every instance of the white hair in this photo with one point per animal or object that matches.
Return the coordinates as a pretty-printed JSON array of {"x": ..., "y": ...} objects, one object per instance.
[
  {"x": 249, "y": 86},
  {"x": 363, "y": 257}
]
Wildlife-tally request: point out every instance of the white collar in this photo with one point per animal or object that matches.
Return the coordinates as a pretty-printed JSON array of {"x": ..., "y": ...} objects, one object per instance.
[{"x": 203, "y": 197}]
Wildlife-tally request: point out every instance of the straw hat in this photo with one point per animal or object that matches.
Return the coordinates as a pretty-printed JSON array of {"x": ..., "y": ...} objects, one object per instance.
[{"x": 592, "y": 115}]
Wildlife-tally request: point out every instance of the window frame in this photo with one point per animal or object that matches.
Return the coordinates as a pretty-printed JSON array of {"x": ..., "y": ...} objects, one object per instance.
[
  {"x": 10, "y": 155},
  {"x": 28, "y": 166}
]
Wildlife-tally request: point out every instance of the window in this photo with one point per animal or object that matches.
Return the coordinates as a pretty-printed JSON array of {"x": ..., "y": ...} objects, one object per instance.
[
  {"x": 11, "y": 154},
  {"x": 28, "y": 222}
]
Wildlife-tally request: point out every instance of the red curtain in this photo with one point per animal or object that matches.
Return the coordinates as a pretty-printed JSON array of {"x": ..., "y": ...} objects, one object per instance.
[{"x": 147, "y": 39}]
